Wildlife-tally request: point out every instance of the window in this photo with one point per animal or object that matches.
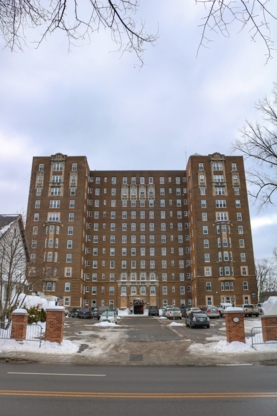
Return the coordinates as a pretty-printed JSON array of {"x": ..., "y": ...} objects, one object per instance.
[
  {"x": 164, "y": 290},
  {"x": 133, "y": 239},
  {"x": 203, "y": 203},
  {"x": 241, "y": 243},
  {"x": 222, "y": 216},
  {"x": 206, "y": 257},
  {"x": 142, "y": 264},
  {"x": 151, "y": 239},
  {"x": 152, "y": 264},
  {"x": 142, "y": 239},
  {"x": 112, "y": 239},
  {"x": 180, "y": 226},
  {"x": 180, "y": 251},
  {"x": 200, "y": 166},
  {"x": 124, "y": 251},
  {"x": 218, "y": 178},
  {"x": 182, "y": 290},
  {"x": 219, "y": 190},
  {"x": 238, "y": 203},
  {"x": 181, "y": 264},
  {"x": 205, "y": 229},
  {"x": 202, "y": 190},
  {"x": 242, "y": 257},
  {"x": 36, "y": 217},
  {"x": 244, "y": 271},
  {"x": 245, "y": 285},
  {"x": 240, "y": 229},
  {"x": 69, "y": 244},
  {"x": 236, "y": 190},
  {"x": 164, "y": 264},
  {"x": 207, "y": 271},
  {"x": 239, "y": 216},
  {"x": 57, "y": 178},
  {"x": 217, "y": 166},
  {"x": 208, "y": 286},
  {"x": 123, "y": 264},
  {"x": 220, "y": 203},
  {"x": 234, "y": 166},
  {"x": 152, "y": 251},
  {"x": 142, "y": 227},
  {"x": 70, "y": 216},
  {"x": 133, "y": 264},
  {"x": 67, "y": 287},
  {"x": 204, "y": 216},
  {"x": 162, "y": 203},
  {"x": 142, "y": 215},
  {"x": 68, "y": 258},
  {"x": 206, "y": 243},
  {"x": 112, "y": 264},
  {"x": 124, "y": 226}
]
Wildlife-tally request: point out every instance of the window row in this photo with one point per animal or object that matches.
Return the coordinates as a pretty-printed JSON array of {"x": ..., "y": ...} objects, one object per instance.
[{"x": 133, "y": 263}]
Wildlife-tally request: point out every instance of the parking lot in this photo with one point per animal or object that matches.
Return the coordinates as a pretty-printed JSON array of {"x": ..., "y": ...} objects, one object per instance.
[{"x": 144, "y": 329}]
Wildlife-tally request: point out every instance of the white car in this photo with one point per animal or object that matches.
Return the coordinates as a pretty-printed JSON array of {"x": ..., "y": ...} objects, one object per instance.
[{"x": 108, "y": 316}]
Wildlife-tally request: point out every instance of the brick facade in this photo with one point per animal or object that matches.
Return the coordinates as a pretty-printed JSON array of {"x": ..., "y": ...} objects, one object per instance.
[
  {"x": 269, "y": 327},
  {"x": 54, "y": 324},
  {"x": 235, "y": 326},
  {"x": 167, "y": 237},
  {"x": 19, "y": 324}
]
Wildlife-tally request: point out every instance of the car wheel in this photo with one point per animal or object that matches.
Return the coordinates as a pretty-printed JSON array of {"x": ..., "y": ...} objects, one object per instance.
[{"x": 208, "y": 326}]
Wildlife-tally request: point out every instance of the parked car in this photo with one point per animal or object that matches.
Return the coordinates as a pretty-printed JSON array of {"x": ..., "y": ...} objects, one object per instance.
[
  {"x": 184, "y": 309},
  {"x": 260, "y": 307},
  {"x": 97, "y": 311},
  {"x": 250, "y": 310},
  {"x": 153, "y": 311},
  {"x": 197, "y": 319},
  {"x": 174, "y": 313},
  {"x": 85, "y": 313},
  {"x": 193, "y": 309},
  {"x": 73, "y": 313},
  {"x": 108, "y": 316},
  {"x": 165, "y": 310},
  {"x": 211, "y": 311},
  {"x": 222, "y": 308}
]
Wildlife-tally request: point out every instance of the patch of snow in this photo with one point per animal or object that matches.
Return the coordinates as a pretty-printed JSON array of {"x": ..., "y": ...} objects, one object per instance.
[
  {"x": 175, "y": 324},
  {"x": 270, "y": 306},
  {"x": 105, "y": 323}
]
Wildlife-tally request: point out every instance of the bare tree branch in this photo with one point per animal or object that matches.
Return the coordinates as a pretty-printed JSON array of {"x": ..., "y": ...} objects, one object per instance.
[
  {"x": 259, "y": 144},
  {"x": 78, "y": 20},
  {"x": 254, "y": 14}
]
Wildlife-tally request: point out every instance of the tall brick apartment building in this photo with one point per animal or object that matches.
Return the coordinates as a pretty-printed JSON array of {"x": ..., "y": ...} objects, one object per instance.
[{"x": 166, "y": 237}]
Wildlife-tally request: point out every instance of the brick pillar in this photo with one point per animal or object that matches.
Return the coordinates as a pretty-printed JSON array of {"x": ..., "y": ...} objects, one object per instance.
[
  {"x": 19, "y": 324},
  {"x": 269, "y": 325},
  {"x": 234, "y": 318},
  {"x": 54, "y": 324}
]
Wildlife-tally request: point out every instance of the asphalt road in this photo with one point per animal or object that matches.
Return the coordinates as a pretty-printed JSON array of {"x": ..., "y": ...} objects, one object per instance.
[{"x": 66, "y": 390}]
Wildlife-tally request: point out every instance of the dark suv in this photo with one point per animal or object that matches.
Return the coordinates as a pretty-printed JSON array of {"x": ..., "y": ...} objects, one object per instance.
[
  {"x": 85, "y": 313},
  {"x": 153, "y": 311},
  {"x": 73, "y": 313}
]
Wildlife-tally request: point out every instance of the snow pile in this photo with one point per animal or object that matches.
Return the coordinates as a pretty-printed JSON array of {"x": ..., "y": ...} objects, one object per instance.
[
  {"x": 176, "y": 324},
  {"x": 105, "y": 323},
  {"x": 47, "y": 347},
  {"x": 30, "y": 301},
  {"x": 270, "y": 306}
]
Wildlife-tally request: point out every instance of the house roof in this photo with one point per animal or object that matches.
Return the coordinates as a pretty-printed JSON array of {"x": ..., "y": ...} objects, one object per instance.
[{"x": 6, "y": 222}]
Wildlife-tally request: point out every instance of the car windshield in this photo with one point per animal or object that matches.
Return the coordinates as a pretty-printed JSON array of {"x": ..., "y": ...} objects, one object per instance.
[
  {"x": 109, "y": 313},
  {"x": 199, "y": 314}
]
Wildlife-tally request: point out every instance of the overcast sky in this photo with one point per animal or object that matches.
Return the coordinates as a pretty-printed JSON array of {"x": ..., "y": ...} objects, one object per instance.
[{"x": 94, "y": 102}]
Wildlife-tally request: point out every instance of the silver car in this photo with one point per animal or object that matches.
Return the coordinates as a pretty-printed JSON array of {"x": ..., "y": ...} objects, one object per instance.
[
  {"x": 211, "y": 311},
  {"x": 109, "y": 316},
  {"x": 174, "y": 313}
]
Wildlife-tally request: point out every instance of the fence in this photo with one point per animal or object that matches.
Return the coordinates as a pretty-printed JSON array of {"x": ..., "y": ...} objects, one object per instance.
[
  {"x": 257, "y": 336},
  {"x": 33, "y": 331}
]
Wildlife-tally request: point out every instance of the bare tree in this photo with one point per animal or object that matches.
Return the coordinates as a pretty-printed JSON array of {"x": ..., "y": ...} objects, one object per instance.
[
  {"x": 259, "y": 144},
  {"x": 256, "y": 15},
  {"x": 13, "y": 259},
  {"x": 79, "y": 20},
  {"x": 266, "y": 277}
]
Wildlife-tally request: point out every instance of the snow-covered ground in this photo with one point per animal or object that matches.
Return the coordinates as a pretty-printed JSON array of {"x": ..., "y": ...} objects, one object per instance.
[{"x": 215, "y": 344}]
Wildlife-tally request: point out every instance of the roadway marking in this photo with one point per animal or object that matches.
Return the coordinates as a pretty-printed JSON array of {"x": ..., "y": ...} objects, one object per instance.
[
  {"x": 110, "y": 395},
  {"x": 58, "y": 374}
]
